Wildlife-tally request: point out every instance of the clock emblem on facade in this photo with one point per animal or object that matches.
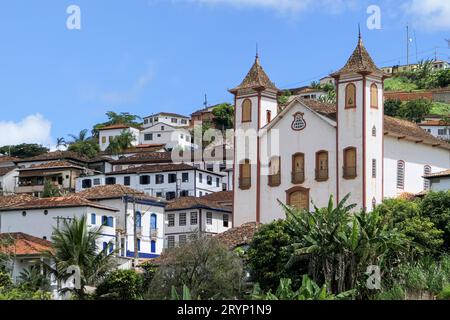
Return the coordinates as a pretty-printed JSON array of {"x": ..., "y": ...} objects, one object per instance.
[{"x": 299, "y": 122}]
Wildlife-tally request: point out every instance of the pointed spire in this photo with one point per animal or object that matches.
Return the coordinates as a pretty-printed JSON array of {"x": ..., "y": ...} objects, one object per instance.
[
  {"x": 360, "y": 60},
  {"x": 256, "y": 78}
]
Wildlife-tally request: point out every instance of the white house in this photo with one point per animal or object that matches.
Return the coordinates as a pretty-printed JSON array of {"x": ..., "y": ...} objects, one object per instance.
[
  {"x": 107, "y": 134},
  {"x": 39, "y": 217},
  {"x": 8, "y": 176},
  {"x": 167, "y": 181},
  {"x": 172, "y": 119},
  {"x": 439, "y": 181},
  {"x": 306, "y": 151},
  {"x": 149, "y": 219},
  {"x": 438, "y": 128},
  {"x": 190, "y": 216},
  {"x": 163, "y": 133}
]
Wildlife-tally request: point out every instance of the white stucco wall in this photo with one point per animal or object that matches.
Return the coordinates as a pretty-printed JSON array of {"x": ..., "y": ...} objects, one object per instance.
[
  {"x": 440, "y": 184},
  {"x": 109, "y": 134}
]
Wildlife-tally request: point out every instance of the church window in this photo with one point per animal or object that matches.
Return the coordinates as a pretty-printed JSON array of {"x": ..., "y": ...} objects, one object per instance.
[
  {"x": 350, "y": 96},
  {"x": 298, "y": 168},
  {"x": 350, "y": 163},
  {"x": 401, "y": 174},
  {"x": 274, "y": 172},
  {"x": 269, "y": 116},
  {"x": 247, "y": 110},
  {"x": 322, "y": 166},
  {"x": 245, "y": 178},
  {"x": 374, "y": 96},
  {"x": 426, "y": 182},
  {"x": 298, "y": 198}
]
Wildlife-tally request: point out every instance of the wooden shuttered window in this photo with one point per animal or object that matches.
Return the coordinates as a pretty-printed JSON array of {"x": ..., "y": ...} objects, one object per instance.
[
  {"x": 245, "y": 175},
  {"x": 275, "y": 171},
  {"x": 350, "y": 96},
  {"x": 298, "y": 197},
  {"x": 298, "y": 168},
  {"x": 374, "y": 96},
  {"x": 247, "y": 110},
  {"x": 349, "y": 163},
  {"x": 322, "y": 166}
]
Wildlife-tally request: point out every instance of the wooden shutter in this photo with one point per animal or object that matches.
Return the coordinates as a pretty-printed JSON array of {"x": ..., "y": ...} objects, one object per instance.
[
  {"x": 299, "y": 199},
  {"x": 350, "y": 158},
  {"x": 350, "y": 96},
  {"x": 247, "y": 110},
  {"x": 299, "y": 163},
  {"x": 374, "y": 96},
  {"x": 246, "y": 172},
  {"x": 323, "y": 161},
  {"x": 275, "y": 165}
]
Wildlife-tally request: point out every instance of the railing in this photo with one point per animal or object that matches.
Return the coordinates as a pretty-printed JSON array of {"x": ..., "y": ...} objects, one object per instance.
[
  {"x": 298, "y": 177},
  {"x": 349, "y": 172},
  {"x": 275, "y": 180},
  {"x": 245, "y": 183},
  {"x": 321, "y": 174},
  {"x": 154, "y": 234}
]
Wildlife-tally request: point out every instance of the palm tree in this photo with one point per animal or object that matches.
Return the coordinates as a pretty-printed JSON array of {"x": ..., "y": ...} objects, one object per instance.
[
  {"x": 82, "y": 136},
  {"x": 75, "y": 245},
  {"x": 122, "y": 142},
  {"x": 61, "y": 142}
]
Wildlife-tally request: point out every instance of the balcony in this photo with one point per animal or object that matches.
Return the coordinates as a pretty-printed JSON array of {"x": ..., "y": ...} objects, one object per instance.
[
  {"x": 349, "y": 172},
  {"x": 321, "y": 174},
  {"x": 245, "y": 183},
  {"x": 298, "y": 177},
  {"x": 154, "y": 234},
  {"x": 275, "y": 180}
]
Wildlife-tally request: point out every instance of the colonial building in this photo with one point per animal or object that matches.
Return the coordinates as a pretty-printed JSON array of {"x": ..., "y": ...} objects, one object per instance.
[
  {"x": 107, "y": 134},
  {"x": 438, "y": 181},
  {"x": 173, "y": 119},
  {"x": 305, "y": 151},
  {"x": 437, "y": 127}
]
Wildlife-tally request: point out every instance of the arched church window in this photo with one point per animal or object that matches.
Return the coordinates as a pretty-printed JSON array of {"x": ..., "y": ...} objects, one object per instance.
[
  {"x": 350, "y": 96},
  {"x": 245, "y": 177},
  {"x": 247, "y": 110},
  {"x": 374, "y": 96},
  {"x": 426, "y": 182},
  {"x": 401, "y": 174}
]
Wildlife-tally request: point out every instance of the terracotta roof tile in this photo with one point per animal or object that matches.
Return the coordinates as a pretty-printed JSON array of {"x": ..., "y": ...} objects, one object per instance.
[
  {"x": 115, "y": 126},
  {"x": 433, "y": 123},
  {"x": 238, "y": 236},
  {"x": 255, "y": 79},
  {"x": 8, "y": 159},
  {"x": 146, "y": 157},
  {"x": 170, "y": 114},
  {"x": 57, "y": 202},
  {"x": 359, "y": 62},
  {"x": 57, "y": 155},
  {"x": 194, "y": 202},
  {"x": 6, "y": 170},
  {"x": 154, "y": 168},
  {"x": 22, "y": 244},
  {"x": 113, "y": 192},
  {"x": 52, "y": 165},
  {"x": 444, "y": 173},
  {"x": 14, "y": 199},
  {"x": 222, "y": 198}
]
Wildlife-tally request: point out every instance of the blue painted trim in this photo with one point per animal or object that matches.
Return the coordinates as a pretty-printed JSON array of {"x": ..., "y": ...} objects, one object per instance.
[{"x": 130, "y": 254}]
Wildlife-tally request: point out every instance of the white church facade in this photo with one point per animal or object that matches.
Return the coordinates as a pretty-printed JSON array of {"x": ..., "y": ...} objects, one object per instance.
[{"x": 302, "y": 152}]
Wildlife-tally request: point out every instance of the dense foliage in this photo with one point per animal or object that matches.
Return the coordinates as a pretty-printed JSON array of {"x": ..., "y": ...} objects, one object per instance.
[
  {"x": 436, "y": 207},
  {"x": 120, "y": 285},
  {"x": 223, "y": 116},
  {"x": 24, "y": 150}
]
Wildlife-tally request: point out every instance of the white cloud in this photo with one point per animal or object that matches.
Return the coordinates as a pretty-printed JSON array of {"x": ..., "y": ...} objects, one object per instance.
[
  {"x": 431, "y": 14},
  {"x": 284, "y": 6},
  {"x": 33, "y": 129}
]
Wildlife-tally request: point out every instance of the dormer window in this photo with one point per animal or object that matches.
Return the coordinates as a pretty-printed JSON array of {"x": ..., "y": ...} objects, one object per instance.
[
  {"x": 350, "y": 96},
  {"x": 247, "y": 110}
]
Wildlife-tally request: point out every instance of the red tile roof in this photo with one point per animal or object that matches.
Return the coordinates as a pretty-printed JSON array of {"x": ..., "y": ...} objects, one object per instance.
[
  {"x": 146, "y": 157},
  {"x": 194, "y": 203},
  {"x": 115, "y": 126},
  {"x": 14, "y": 199},
  {"x": 22, "y": 244},
  {"x": 441, "y": 174},
  {"x": 434, "y": 123},
  {"x": 255, "y": 79},
  {"x": 7, "y": 159},
  {"x": 56, "y": 155},
  {"x": 113, "y": 192},
  {"x": 6, "y": 170},
  {"x": 223, "y": 198},
  {"x": 57, "y": 202},
  {"x": 238, "y": 236},
  {"x": 53, "y": 165},
  {"x": 154, "y": 168}
]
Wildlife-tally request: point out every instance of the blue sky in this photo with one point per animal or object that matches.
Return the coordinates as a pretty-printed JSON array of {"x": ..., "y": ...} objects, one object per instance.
[{"x": 145, "y": 56}]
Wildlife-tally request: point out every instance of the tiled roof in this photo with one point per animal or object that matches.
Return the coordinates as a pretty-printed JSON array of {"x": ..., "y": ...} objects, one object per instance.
[
  {"x": 6, "y": 170},
  {"x": 170, "y": 114},
  {"x": 52, "y": 165},
  {"x": 113, "y": 192},
  {"x": 359, "y": 62},
  {"x": 57, "y": 202},
  {"x": 141, "y": 148},
  {"x": 7, "y": 159},
  {"x": 433, "y": 123},
  {"x": 194, "y": 202},
  {"x": 22, "y": 244},
  {"x": 115, "y": 126},
  {"x": 445, "y": 173},
  {"x": 238, "y": 236},
  {"x": 255, "y": 79},
  {"x": 221, "y": 197},
  {"x": 56, "y": 155},
  {"x": 14, "y": 199},
  {"x": 146, "y": 157},
  {"x": 154, "y": 168}
]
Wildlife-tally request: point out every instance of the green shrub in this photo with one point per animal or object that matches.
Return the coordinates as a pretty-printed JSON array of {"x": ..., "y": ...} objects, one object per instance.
[
  {"x": 436, "y": 206},
  {"x": 396, "y": 292},
  {"x": 444, "y": 294},
  {"x": 120, "y": 285},
  {"x": 5, "y": 280}
]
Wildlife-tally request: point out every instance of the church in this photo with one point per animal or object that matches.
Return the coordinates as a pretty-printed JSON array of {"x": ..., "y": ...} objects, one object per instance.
[{"x": 303, "y": 151}]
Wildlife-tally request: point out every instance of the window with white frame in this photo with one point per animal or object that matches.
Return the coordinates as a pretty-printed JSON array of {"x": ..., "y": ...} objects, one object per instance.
[
  {"x": 209, "y": 218},
  {"x": 171, "y": 219},
  {"x": 225, "y": 220},
  {"x": 182, "y": 239},
  {"x": 171, "y": 242},
  {"x": 182, "y": 219},
  {"x": 194, "y": 218}
]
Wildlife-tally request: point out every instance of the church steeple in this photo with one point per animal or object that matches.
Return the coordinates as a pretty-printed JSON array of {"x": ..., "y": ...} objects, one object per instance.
[
  {"x": 359, "y": 62},
  {"x": 256, "y": 79}
]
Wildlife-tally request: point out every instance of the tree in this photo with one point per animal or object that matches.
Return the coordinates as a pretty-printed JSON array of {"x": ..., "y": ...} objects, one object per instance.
[
  {"x": 407, "y": 217},
  {"x": 392, "y": 106},
  {"x": 124, "y": 118},
  {"x": 268, "y": 255},
  {"x": 223, "y": 116},
  {"x": 81, "y": 137},
  {"x": 50, "y": 190},
  {"x": 88, "y": 148},
  {"x": 443, "y": 78},
  {"x": 122, "y": 142},
  {"x": 61, "y": 142},
  {"x": 204, "y": 265},
  {"x": 120, "y": 285},
  {"x": 24, "y": 150},
  {"x": 436, "y": 206},
  {"x": 76, "y": 245},
  {"x": 284, "y": 98},
  {"x": 340, "y": 244},
  {"x": 32, "y": 279},
  {"x": 415, "y": 110}
]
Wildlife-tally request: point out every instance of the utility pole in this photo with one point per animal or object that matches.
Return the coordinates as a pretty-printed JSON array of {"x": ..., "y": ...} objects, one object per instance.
[
  {"x": 136, "y": 251},
  {"x": 205, "y": 103},
  {"x": 407, "y": 45}
]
